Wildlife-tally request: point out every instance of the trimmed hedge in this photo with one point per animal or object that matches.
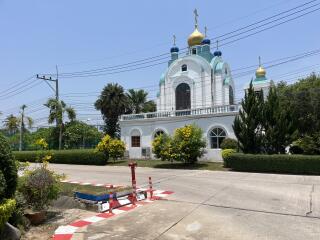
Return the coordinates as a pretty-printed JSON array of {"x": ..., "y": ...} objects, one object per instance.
[
  {"x": 79, "y": 156},
  {"x": 295, "y": 164}
]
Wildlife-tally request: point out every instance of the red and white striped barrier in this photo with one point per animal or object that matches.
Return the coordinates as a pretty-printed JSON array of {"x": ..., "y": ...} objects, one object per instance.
[{"x": 66, "y": 232}]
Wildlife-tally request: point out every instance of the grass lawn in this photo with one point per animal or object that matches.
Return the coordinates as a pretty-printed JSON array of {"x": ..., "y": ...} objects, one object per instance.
[
  {"x": 213, "y": 166},
  {"x": 67, "y": 189}
]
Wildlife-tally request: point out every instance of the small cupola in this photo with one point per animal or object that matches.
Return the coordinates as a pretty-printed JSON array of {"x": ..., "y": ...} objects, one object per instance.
[
  {"x": 206, "y": 40},
  {"x": 217, "y": 53}
]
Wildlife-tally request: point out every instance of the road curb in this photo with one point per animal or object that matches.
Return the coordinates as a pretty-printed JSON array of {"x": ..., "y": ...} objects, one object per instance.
[{"x": 66, "y": 232}]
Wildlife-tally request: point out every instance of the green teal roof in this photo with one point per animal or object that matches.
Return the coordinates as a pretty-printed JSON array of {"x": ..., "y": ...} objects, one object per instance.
[
  {"x": 259, "y": 80},
  {"x": 214, "y": 61},
  {"x": 162, "y": 79},
  {"x": 226, "y": 80},
  {"x": 219, "y": 66}
]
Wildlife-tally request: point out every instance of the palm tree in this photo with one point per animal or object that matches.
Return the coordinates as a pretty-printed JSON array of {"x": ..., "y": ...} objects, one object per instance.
[
  {"x": 11, "y": 123},
  {"x": 137, "y": 100},
  {"x": 22, "y": 124},
  {"x": 57, "y": 111},
  {"x": 112, "y": 102}
]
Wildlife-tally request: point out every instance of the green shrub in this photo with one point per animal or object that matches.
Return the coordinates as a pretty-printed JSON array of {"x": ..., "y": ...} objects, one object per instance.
[
  {"x": 229, "y": 143},
  {"x": 226, "y": 153},
  {"x": 162, "y": 147},
  {"x": 81, "y": 156},
  {"x": 8, "y": 170},
  {"x": 39, "y": 187},
  {"x": 186, "y": 145},
  {"x": 6, "y": 209},
  {"x": 111, "y": 147},
  {"x": 295, "y": 164}
]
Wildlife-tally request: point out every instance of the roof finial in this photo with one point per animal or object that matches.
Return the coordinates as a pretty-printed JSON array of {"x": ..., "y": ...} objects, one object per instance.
[
  {"x": 174, "y": 40},
  {"x": 217, "y": 44},
  {"x": 259, "y": 61},
  {"x": 195, "y": 18},
  {"x": 205, "y": 31}
]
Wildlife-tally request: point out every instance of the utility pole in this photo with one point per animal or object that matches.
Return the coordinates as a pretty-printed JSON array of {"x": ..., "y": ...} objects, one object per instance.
[
  {"x": 21, "y": 126},
  {"x": 50, "y": 79},
  {"x": 56, "y": 90}
]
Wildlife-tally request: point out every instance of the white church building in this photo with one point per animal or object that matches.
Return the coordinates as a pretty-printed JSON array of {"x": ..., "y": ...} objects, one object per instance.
[{"x": 196, "y": 88}]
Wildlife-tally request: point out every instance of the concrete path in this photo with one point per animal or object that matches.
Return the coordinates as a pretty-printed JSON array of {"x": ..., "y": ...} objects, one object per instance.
[{"x": 209, "y": 205}]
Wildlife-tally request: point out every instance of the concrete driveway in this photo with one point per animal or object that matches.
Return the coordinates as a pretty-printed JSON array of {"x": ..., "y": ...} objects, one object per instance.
[{"x": 209, "y": 205}]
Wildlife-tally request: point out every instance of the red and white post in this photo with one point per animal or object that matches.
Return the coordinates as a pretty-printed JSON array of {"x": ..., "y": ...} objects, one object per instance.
[
  {"x": 111, "y": 199},
  {"x": 150, "y": 188},
  {"x": 133, "y": 165}
]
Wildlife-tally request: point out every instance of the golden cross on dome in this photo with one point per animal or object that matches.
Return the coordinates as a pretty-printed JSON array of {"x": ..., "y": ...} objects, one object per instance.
[
  {"x": 205, "y": 31},
  {"x": 195, "y": 18},
  {"x": 174, "y": 40},
  {"x": 259, "y": 61}
]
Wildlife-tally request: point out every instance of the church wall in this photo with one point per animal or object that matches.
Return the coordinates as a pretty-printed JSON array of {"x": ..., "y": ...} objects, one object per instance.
[
  {"x": 197, "y": 76},
  {"x": 148, "y": 128},
  {"x": 218, "y": 93}
]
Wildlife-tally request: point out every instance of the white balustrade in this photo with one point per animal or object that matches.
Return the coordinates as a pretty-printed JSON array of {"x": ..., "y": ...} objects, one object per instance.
[{"x": 180, "y": 113}]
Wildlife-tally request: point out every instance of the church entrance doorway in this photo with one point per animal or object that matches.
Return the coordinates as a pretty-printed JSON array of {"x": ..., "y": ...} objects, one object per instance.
[{"x": 183, "y": 97}]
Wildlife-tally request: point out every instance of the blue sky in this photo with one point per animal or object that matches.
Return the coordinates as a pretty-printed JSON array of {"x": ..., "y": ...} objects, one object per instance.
[{"x": 79, "y": 35}]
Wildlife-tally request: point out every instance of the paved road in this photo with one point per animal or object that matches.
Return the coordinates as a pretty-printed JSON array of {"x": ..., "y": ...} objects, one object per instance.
[{"x": 210, "y": 205}]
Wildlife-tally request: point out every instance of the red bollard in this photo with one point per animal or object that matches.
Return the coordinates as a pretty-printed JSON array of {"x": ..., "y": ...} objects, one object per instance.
[
  {"x": 150, "y": 188},
  {"x": 133, "y": 165},
  {"x": 111, "y": 199}
]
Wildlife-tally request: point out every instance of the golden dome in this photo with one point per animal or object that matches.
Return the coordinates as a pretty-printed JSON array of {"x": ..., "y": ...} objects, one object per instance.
[
  {"x": 260, "y": 72},
  {"x": 195, "y": 38}
]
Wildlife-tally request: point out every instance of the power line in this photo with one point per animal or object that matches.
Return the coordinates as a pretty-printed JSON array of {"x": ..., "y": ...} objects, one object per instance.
[{"x": 102, "y": 71}]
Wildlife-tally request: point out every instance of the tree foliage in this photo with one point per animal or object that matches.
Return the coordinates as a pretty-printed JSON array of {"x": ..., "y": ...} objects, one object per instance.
[
  {"x": 112, "y": 102},
  {"x": 8, "y": 170},
  {"x": 247, "y": 125},
  {"x": 186, "y": 145},
  {"x": 78, "y": 134},
  {"x": 11, "y": 124},
  {"x": 276, "y": 124},
  {"x": 290, "y": 114},
  {"x": 111, "y": 147},
  {"x": 57, "y": 111}
]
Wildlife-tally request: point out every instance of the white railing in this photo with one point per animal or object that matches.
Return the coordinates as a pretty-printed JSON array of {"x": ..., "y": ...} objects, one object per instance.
[{"x": 180, "y": 113}]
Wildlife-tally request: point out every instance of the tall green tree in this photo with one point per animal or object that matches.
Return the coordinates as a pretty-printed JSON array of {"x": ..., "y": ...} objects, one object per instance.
[
  {"x": 149, "y": 106},
  {"x": 11, "y": 124},
  {"x": 23, "y": 125},
  {"x": 247, "y": 125},
  {"x": 78, "y": 134},
  {"x": 137, "y": 99},
  {"x": 57, "y": 111},
  {"x": 302, "y": 99},
  {"x": 112, "y": 102},
  {"x": 138, "y": 103},
  {"x": 277, "y": 124}
]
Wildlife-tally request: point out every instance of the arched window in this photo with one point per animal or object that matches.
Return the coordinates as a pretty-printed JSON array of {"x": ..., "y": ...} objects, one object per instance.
[
  {"x": 183, "y": 97},
  {"x": 158, "y": 133},
  {"x": 184, "y": 68},
  {"x": 231, "y": 96},
  {"x": 194, "y": 51},
  {"x": 216, "y": 137}
]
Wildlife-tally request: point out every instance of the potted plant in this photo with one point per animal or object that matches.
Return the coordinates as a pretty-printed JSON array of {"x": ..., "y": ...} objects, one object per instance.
[{"x": 39, "y": 187}]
